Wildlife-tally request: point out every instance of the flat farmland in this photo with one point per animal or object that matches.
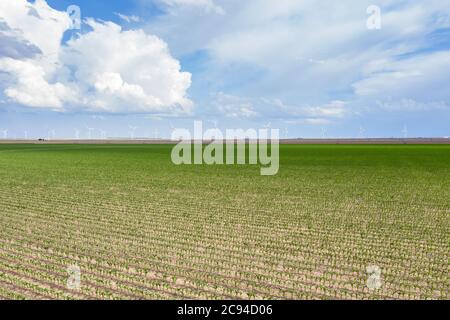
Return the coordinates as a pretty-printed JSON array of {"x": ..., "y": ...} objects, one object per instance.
[{"x": 136, "y": 226}]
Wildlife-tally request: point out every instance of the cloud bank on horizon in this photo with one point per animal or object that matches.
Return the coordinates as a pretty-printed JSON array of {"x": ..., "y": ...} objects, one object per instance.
[{"x": 300, "y": 62}]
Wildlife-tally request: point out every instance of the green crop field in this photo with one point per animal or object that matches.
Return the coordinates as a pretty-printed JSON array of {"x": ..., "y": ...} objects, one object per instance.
[{"x": 336, "y": 222}]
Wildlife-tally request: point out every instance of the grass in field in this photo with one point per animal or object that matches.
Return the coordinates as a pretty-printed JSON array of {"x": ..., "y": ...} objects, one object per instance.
[{"x": 140, "y": 227}]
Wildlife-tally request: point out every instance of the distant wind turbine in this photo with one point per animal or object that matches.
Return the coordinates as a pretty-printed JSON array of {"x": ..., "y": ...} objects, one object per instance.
[
  {"x": 51, "y": 134},
  {"x": 89, "y": 132},
  {"x": 405, "y": 131},
  {"x": 214, "y": 122},
  {"x": 324, "y": 132},
  {"x": 77, "y": 134},
  {"x": 132, "y": 130},
  {"x": 172, "y": 129},
  {"x": 361, "y": 132},
  {"x": 5, "y": 134},
  {"x": 103, "y": 134}
]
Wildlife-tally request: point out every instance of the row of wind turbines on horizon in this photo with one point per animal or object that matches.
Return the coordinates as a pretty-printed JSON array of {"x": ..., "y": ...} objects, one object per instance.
[{"x": 91, "y": 133}]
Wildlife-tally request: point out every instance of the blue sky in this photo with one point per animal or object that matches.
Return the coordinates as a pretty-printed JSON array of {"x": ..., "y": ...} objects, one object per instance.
[{"x": 142, "y": 67}]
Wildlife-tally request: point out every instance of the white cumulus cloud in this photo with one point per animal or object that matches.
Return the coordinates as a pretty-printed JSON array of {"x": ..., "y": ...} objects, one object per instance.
[
  {"x": 318, "y": 52},
  {"x": 30, "y": 88},
  {"x": 128, "y": 19},
  {"x": 209, "y": 5},
  {"x": 234, "y": 107},
  {"x": 105, "y": 69}
]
